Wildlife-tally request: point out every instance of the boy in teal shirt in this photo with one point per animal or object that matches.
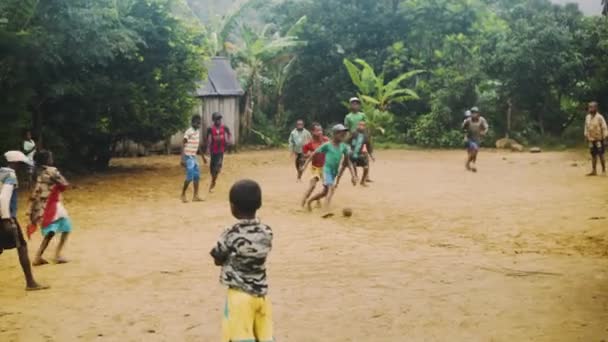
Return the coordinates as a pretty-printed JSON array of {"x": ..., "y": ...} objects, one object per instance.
[{"x": 334, "y": 151}]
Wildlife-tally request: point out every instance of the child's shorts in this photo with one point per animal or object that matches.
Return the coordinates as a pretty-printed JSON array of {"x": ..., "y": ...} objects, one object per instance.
[
  {"x": 63, "y": 225},
  {"x": 193, "y": 172},
  {"x": 316, "y": 173},
  {"x": 216, "y": 163},
  {"x": 329, "y": 177},
  {"x": 247, "y": 318},
  {"x": 472, "y": 145}
]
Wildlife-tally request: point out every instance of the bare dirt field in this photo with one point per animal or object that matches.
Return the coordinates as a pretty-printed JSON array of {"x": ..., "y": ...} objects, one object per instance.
[{"x": 517, "y": 252}]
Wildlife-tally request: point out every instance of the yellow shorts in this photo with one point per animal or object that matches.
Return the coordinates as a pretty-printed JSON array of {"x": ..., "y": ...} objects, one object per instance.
[
  {"x": 247, "y": 318},
  {"x": 316, "y": 172}
]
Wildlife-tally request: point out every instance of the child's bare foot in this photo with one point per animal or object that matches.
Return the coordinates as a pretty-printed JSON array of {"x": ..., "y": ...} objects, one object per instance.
[
  {"x": 309, "y": 206},
  {"x": 197, "y": 199},
  {"x": 319, "y": 204},
  {"x": 364, "y": 184},
  {"x": 36, "y": 287},
  {"x": 61, "y": 260},
  {"x": 184, "y": 199},
  {"x": 327, "y": 215},
  {"x": 39, "y": 262},
  {"x": 592, "y": 174}
]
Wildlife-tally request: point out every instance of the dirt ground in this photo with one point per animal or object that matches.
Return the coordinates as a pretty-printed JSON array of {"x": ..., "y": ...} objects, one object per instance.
[{"x": 517, "y": 252}]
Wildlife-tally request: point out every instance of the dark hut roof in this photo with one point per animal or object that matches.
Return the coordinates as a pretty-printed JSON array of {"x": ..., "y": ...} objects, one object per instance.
[{"x": 221, "y": 80}]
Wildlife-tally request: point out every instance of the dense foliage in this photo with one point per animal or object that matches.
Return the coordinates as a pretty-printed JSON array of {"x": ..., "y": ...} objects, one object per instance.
[{"x": 87, "y": 74}]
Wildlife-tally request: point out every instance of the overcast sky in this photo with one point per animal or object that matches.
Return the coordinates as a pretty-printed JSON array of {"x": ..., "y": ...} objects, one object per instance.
[{"x": 587, "y": 6}]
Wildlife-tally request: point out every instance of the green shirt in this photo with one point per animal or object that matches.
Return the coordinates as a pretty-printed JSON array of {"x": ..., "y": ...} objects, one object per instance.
[
  {"x": 333, "y": 155},
  {"x": 351, "y": 121}
]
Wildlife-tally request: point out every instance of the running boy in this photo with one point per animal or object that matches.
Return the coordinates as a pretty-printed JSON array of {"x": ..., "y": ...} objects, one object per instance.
[
  {"x": 47, "y": 208},
  {"x": 190, "y": 160},
  {"x": 297, "y": 139},
  {"x": 362, "y": 151},
  {"x": 11, "y": 235},
  {"x": 334, "y": 151},
  {"x": 596, "y": 134},
  {"x": 218, "y": 137},
  {"x": 318, "y": 161},
  {"x": 475, "y": 128},
  {"x": 242, "y": 251}
]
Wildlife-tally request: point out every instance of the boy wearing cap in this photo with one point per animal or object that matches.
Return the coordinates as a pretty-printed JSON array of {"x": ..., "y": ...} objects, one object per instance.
[
  {"x": 334, "y": 151},
  {"x": 475, "y": 128},
  {"x": 218, "y": 137},
  {"x": 352, "y": 119},
  {"x": 190, "y": 160},
  {"x": 11, "y": 235},
  {"x": 299, "y": 137}
]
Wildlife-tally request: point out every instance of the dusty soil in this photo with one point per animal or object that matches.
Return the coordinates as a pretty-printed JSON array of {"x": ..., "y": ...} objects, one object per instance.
[{"x": 517, "y": 252}]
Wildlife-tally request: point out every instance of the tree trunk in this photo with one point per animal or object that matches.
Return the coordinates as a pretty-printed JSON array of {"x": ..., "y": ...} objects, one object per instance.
[
  {"x": 509, "y": 114},
  {"x": 279, "y": 119}
]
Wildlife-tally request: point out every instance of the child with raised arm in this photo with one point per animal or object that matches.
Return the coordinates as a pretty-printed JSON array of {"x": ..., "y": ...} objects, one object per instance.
[
  {"x": 318, "y": 161},
  {"x": 46, "y": 208},
  {"x": 242, "y": 251},
  {"x": 334, "y": 151}
]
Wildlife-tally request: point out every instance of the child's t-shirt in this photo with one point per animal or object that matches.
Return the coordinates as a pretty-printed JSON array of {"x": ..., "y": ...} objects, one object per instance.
[
  {"x": 192, "y": 137},
  {"x": 246, "y": 245},
  {"x": 318, "y": 160},
  {"x": 9, "y": 177},
  {"x": 333, "y": 154}
]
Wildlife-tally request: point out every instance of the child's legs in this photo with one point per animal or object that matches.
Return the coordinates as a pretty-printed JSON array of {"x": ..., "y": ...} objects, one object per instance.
[
  {"x": 319, "y": 196},
  {"x": 330, "y": 194},
  {"x": 185, "y": 187},
  {"x": 43, "y": 246},
  {"x": 311, "y": 188},
  {"x": 263, "y": 326},
  {"x": 239, "y": 317}
]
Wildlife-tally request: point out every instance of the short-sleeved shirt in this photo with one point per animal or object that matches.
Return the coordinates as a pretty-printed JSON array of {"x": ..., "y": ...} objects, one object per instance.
[
  {"x": 595, "y": 127},
  {"x": 193, "y": 138},
  {"x": 360, "y": 144},
  {"x": 351, "y": 121},
  {"x": 8, "y": 176},
  {"x": 318, "y": 160},
  {"x": 246, "y": 245},
  {"x": 333, "y": 155},
  {"x": 297, "y": 139},
  {"x": 474, "y": 129}
]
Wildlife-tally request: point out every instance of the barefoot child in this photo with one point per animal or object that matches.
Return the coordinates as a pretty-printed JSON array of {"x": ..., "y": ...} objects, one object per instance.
[
  {"x": 362, "y": 151},
  {"x": 190, "y": 160},
  {"x": 299, "y": 137},
  {"x": 596, "y": 133},
  {"x": 47, "y": 209},
  {"x": 242, "y": 251},
  {"x": 11, "y": 235},
  {"x": 318, "y": 161},
  {"x": 475, "y": 128},
  {"x": 334, "y": 151},
  {"x": 218, "y": 137}
]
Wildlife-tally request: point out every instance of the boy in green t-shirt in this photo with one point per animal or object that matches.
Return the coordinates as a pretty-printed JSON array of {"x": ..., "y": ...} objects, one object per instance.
[
  {"x": 352, "y": 119},
  {"x": 334, "y": 151}
]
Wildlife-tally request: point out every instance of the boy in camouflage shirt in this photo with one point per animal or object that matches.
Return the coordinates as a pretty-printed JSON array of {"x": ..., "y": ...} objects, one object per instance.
[{"x": 242, "y": 251}]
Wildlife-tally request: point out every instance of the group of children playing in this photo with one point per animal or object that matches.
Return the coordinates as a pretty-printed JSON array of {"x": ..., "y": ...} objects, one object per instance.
[{"x": 350, "y": 147}]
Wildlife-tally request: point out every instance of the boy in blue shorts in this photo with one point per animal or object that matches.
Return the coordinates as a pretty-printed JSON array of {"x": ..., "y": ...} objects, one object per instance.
[
  {"x": 242, "y": 251},
  {"x": 334, "y": 151},
  {"x": 189, "y": 160},
  {"x": 475, "y": 127}
]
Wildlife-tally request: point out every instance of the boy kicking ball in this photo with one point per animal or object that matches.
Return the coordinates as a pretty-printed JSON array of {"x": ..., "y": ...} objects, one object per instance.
[
  {"x": 334, "y": 151},
  {"x": 242, "y": 251},
  {"x": 318, "y": 161}
]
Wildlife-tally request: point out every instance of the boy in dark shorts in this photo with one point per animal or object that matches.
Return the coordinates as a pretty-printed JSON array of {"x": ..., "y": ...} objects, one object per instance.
[
  {"x": 361, "y": 152},
  {"x": 596, "y": 133},
  {"x": 299, "y": 137},
  {"x": 11, "y": 235},
  {"x": 218, "y": 137},
  {"x": 475, "y": 128},
  {"x": 318, "y": 161},
  {"x": 334, "y": 152},
  {"x": 242, "y": 251}
]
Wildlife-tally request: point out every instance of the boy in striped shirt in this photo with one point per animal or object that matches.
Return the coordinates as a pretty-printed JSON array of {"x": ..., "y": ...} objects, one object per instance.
[{"x": 190, "y": 160}]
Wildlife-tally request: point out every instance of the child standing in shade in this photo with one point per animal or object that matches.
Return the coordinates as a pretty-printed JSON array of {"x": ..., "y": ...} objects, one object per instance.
[
  {"x": 190, "y": 160},
  {"x": 47, "y": 210},
  {"x": 299, "y": 137},
  {"x": 218, "y": 137},
  {"x": 318, "y": 161},
  {"x": 242, "y": 251},
  {"x": 334, "y": 151}
]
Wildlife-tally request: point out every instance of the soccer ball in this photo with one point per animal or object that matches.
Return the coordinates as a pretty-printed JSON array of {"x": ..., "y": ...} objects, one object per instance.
[{"x": 347, "y": 212}]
